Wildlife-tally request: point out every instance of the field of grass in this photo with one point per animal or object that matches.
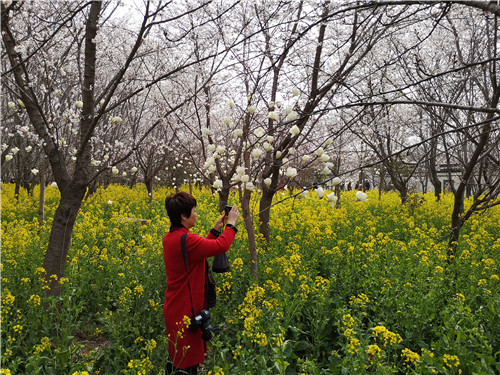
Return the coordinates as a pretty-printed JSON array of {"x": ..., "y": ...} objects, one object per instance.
[{"x": 361, "y": 289}]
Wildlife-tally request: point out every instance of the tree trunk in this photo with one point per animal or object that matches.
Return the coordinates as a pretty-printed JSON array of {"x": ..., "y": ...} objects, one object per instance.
[
  {"x": 60, "y": 236},
  {"x": 400, "y": 185},
  {"x": 41, "y": 200},
  {"x": 404, "y": 194},
  {"x": 92, "y": 189},
  {"x": 133, "y": 181},
  {"x": 459, "y": 193},
  {"x": 433, "y": 171},
  {"x": 382, "y": 183},
  {"x": 337, "y": 194},
  {"x": 264, "y": 212},
  {"x": 149, "y": 186},
  {"x": 252, "y": 246},
  {"x": 223, "y": 198},
  {"x": 72, "y": 190},
  {"x": 17, "y": 190}
]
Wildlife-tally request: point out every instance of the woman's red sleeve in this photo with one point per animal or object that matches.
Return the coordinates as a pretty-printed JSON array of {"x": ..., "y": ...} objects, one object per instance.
[{"x": 199, "y": 248}]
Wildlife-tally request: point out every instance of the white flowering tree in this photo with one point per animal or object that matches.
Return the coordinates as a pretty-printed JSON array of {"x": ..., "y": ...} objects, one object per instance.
[
  {"x": 453, "y": 77},
  {"x": 341, "y": 39},
  {"x": 266, "y": 90},
  {"x": 341, "y": 69},
  {"x": 444, "y": 85},
  {"x": 469, "y": 137},
  {"x": 81, "y": 43},
  {"x": 21, "y": 159}
]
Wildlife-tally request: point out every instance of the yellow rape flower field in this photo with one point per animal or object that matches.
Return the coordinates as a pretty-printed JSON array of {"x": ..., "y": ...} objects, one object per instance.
[{"x": 362, "y": 289}]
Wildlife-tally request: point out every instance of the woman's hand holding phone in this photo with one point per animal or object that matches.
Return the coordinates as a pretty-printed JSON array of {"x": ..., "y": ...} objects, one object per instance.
[{"x": 233, "y": 215}]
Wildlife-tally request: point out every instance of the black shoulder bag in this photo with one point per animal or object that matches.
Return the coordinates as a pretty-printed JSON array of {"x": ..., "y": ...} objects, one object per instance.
[
  {"x": 210, "y": 292},
  {"x": 220, "y": 263}
]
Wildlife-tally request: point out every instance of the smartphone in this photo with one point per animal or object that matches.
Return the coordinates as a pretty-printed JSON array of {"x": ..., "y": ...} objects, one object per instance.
[{"x": 227, "y": 209}]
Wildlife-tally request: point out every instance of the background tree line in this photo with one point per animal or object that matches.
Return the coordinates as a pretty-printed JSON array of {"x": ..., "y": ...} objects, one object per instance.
[{"x": 249, "y": 96}]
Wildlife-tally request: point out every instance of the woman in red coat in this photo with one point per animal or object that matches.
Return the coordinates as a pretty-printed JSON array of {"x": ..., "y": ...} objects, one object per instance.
[{"x": 187, "y": 348}]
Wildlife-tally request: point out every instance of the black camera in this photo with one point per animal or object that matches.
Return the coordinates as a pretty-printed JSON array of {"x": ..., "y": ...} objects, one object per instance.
[
  {"x": 202, "y": 321},
  {"x": 227, "y": 209}
]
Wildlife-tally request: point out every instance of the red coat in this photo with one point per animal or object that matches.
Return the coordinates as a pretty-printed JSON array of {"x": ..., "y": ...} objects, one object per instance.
[{"x": 187, "y": 348}]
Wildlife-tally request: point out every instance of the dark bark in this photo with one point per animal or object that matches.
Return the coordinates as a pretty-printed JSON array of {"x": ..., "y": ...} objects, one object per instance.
[
  {"x": 72, "y": 189},
  {"x": 403, "y": 191},
  {"x": 252, "y": 246},
  {"x": 337, "y": 194},
  {"x": 41, "y": 200},
  {"x": 457, "y": 217},
  {"x": 149, "y": 186},
  {"x": 382, "y": 183},
  {"x": 92, "y": 188},
  {"x": 264, "y": 212},
  {"x": 17, "y": 189},
  {"x": 224, "y": 197},
  {"x": 433, "y": 171},
  {"x": 60, "y": 236},
  {"x": 133, "y": 181}
]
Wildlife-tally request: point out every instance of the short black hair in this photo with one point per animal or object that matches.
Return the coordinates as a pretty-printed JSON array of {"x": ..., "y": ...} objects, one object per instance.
[{"x": 177, "y": 205}]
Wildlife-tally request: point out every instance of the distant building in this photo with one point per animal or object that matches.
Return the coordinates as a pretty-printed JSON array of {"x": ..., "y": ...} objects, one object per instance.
[{"x": 449, "y": 175}]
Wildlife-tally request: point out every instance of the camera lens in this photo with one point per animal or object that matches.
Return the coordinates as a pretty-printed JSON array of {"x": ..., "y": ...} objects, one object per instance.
[{"x": 208, "y": 331}]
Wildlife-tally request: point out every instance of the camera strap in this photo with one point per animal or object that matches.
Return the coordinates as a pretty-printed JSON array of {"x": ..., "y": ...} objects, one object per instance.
[{"x": 184, "y": 255}]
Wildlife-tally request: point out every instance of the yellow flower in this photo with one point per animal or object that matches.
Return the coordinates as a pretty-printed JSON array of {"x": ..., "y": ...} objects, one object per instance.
[
  {"x": 348, "y": 332},
  {"x": 43, "y": 346},
  {"x": 410, "y": 357},
  {"x": 138, "y": 290},
  {"x": 7, "y": 298},
  {"x": 348, "y": 321},
  {"x": 305, "y": 290},
  {"x": 35, "y": 300},
  {"x": 40, "y": 270},
  {"x": 428, "y": 353},
  {"x": 374, "y": 352},
  {"x": 488, "y": 263},
  {"x": 353, "y": 346},
  {"x": 238, "y": 264},
  {"x": 151, "y": 345},
  {"x": 361, "y": 300},
  {"x": 451, "y": 360},
  {"x": 260, "y": 339},
  {"x": 388, "y": 337},
  {"x": 217, "y": 371}
]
